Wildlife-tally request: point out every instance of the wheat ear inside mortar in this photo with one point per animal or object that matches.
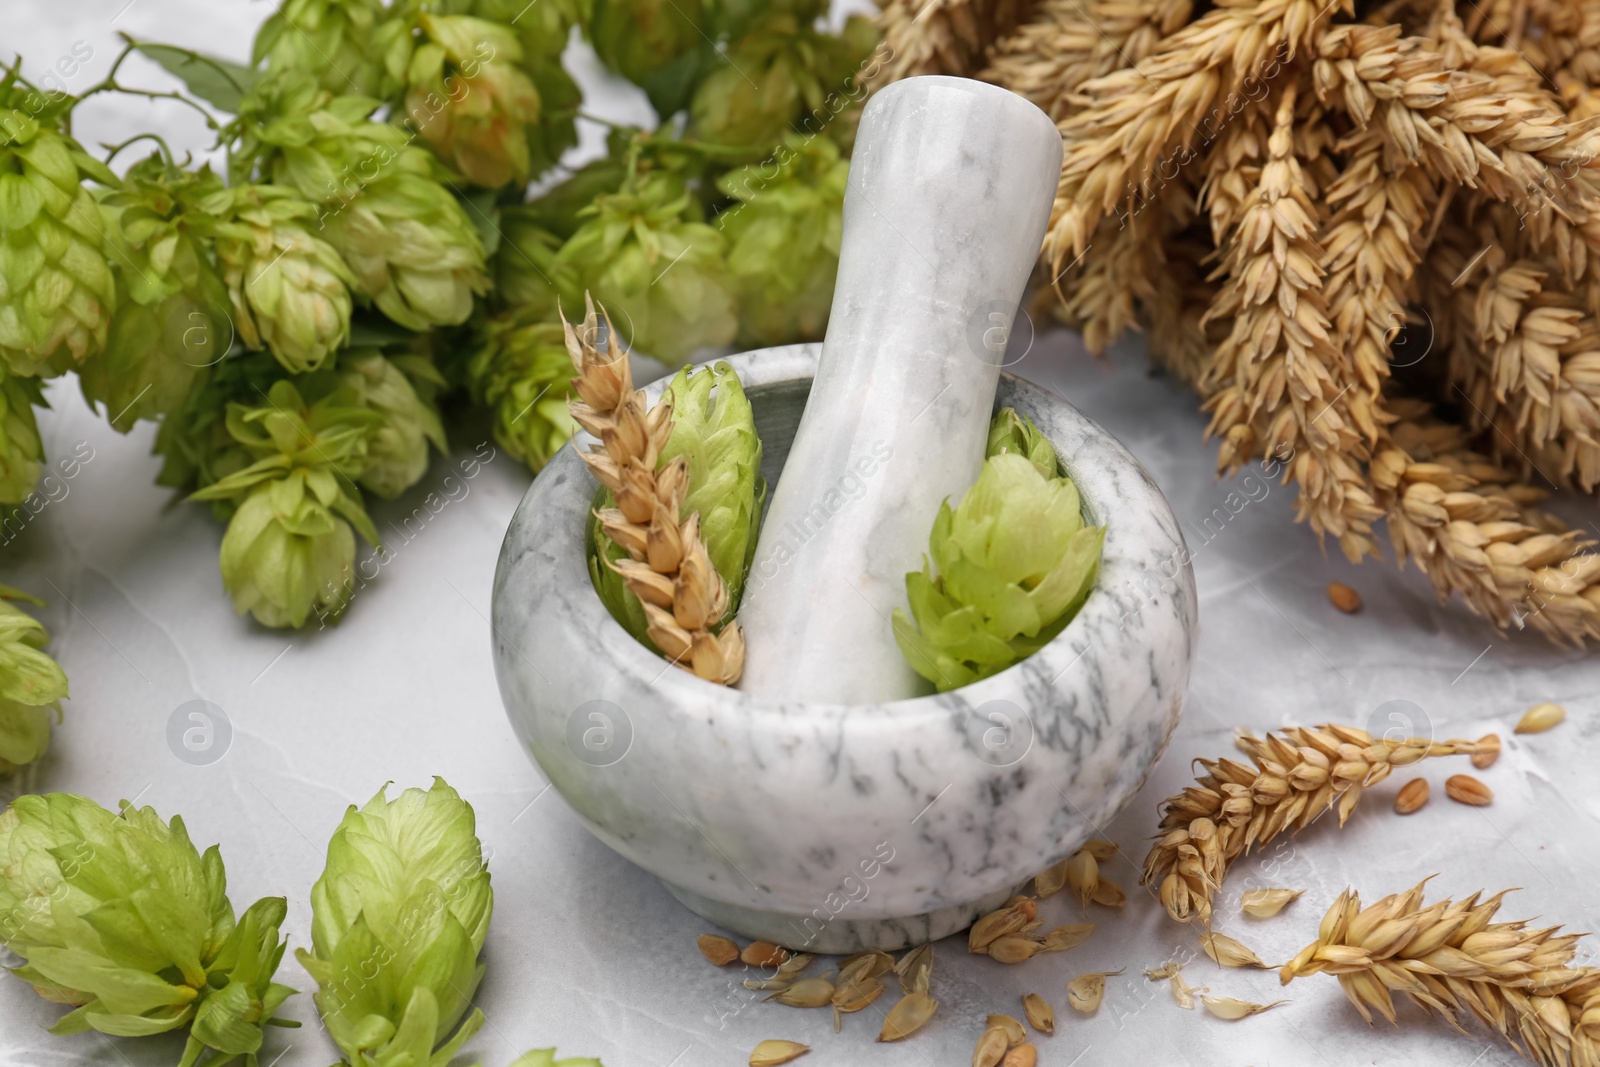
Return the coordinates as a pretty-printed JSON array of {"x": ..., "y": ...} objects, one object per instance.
[{"x": 949, "y": 195}]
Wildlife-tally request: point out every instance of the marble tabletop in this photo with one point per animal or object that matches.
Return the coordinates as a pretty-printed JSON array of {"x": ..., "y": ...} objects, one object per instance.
[{"x": 588, "y": 954}]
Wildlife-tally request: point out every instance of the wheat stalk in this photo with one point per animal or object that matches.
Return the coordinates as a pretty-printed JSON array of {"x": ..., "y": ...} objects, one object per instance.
[
  {"x": 940, "y": 36},
  {"x": 667, "y": 568},
  {"x": 1293, "y": 777},
  {"x": 1452, "y": 958}
]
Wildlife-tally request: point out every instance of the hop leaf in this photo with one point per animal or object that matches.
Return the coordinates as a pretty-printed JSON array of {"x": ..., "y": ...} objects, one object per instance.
[
  {"x": 123, "y": 918},
  {"x": 339, "y": 42},
  {"x": 660, "y": 271},
  {"x": 289, "y": 288},
  {"x": 31, "y": 686},
  {"x": 172, "y": 316},
  {"x": 522, "y": 372},
  {"x": 469, "y": 99},
  {"x": 289, "y": 549},
  {"x": 398, "y": 921},
  {"x": 1015, "y": 562},
  {"x": 56, "y": 289},
  {"x": 407, "y": 240},
  {"x": 783, "y": 240},
  {"x": 397, "y": 454}
]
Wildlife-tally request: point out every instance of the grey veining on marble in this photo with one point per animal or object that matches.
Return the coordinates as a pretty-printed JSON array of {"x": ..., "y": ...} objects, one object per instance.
[
  {"x": 951, "y": 182},
  {"x": 848, "y": 825}
]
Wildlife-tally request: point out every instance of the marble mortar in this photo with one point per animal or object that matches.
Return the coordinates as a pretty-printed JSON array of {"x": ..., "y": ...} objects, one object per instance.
[{"x": 837, "y": 827}]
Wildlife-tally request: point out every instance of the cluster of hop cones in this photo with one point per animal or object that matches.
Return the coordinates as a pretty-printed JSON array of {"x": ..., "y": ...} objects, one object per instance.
[{"x": 1368, "y": 234}]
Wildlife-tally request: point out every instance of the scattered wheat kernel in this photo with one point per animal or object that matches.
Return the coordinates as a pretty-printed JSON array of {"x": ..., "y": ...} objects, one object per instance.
[
  {"x": 1465, "y": 789},
  {"x": 1101, "y": 849},
  {"x": 1003, "y": 922},
  {"x": 1163, "y": 972},
  {"x": 915, "y": 969},
  {"x": 1086, "y": 991},
  {"x": 1109, "y": 894},
  {"x": 1015, "y": 949},
  {"x": 857, "y": 994},
  {"x": 1265, "y": 903},
  {"x": 1412, "y": 796},
  {"x": 718, "y": 950},
  {"x": 1540, "y": 718},
  {"x": 1024, "y": 1055},
  {"x": 991, "y": 1048},
  {"x": 864, "y": 965},
  {"x": 1083, "y": 875},
  {"x": 1040, "y": 1015},
  {"x": 1229, "y": 1008},
  {"x": 792, "y": 966},
  {"x": 1051, "y": 880},
  {"x": 1015, "y": 1034},
  {"x": 1488, "y": 752},
  {"x": 806, "y": 993},
  {"x": 772, "y": 1053},
  {"x": 763, "y": 954},
  {"x": 909, "y": 1015},
  {"x": 1344, "y": 598},
  {"x": 1229, "y": 952},
  {"x": 1064, "y": 937}
]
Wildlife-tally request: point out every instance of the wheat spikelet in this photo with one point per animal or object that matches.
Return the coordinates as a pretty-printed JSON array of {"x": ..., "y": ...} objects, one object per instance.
[
  {"x": 1064, "y": 43},
  {"x": 940, "y": 36},
  {"x": 668, "y": 569},
  {"x": 1452, "y": 958},
  {"x": 1293, "y": 777}
]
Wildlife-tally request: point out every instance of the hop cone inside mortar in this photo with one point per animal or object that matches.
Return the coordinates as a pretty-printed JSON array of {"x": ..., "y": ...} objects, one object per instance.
[
  {"x": 470, "y": 100},
  {"x": 384, "y": 205},
  {"x": 289, "y": 549},
  {"x": 289, "y": 288},
  {"x": 643, "y": 254},
  {"x": 21, "y": 451},
  {"x": 398, "y": 920},
  {"x": 31, "y": 686},
  {"x": 523, "y": 373},
  {"x": 56, "y": 288},
  {"x": 1014, "y": 561},
  {"x": 783, "y": 240},
  {"x": 172, "y": 316},
  {"x": 120, "y": 916},
  {"x": 714, "y": 426},
  {"x": 339, "y": 42}
]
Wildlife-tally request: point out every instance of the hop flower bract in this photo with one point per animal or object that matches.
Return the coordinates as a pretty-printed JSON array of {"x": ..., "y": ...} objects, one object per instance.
[
  {"x": 122, "y": 917},
  {"x": 398, "y": 920},
  {"x": 1014, "y": 563},
  {"x": 522, "y": 372},
  {"x": 31, "y": 686}
]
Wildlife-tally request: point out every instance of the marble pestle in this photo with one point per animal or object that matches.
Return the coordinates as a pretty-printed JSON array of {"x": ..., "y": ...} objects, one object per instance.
[{"x": 950, "y": 188}]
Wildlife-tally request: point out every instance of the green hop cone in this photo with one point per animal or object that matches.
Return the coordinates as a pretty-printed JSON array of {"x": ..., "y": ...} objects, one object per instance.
[
  {"x": 527, "y": 276},
  {"x": 546, "y": 1057},
  {"x": 523, "y": 374},
  {"x": 172, "y": 316},
  {"x": 32, "y": 686},
  {"x": 783, "y": 240},
  {"x": 120, "y": 916},
  {"x": 713, "y": 425},
  {"x": 643, "y": 253},
  {"x": 21, "y": 451},
  {"x": 335, "y": 41},
  {"x": 398, "y": 921},
  {"x": 193, "y": 439},
  {"x": 289, "y": 550},
  {"x": 384, "y": 205},
  {"x": 1015, "y": 562},
  {"x": 290, "y": 290},
  {"x": 397, "y": 454},
  {"x": 660, "y": 45},
  {"x": 469, "y": 99},
  {"x": 56, "y": 288}
]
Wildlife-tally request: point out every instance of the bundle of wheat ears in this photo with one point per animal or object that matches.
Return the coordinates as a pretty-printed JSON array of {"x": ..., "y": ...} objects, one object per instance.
[
  {"x": 1294, "y": 199},
  {"x": 667, "y": 568}
]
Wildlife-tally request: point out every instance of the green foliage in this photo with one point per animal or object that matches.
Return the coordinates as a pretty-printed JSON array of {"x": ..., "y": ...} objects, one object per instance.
[
  {"x": 1014, "y": 563},
  {"x": 121, "y": 916},
  {"x": 32, "y": 685},
  {"x": 522, "y": 373},
  {"x": 398, "y": 922}
]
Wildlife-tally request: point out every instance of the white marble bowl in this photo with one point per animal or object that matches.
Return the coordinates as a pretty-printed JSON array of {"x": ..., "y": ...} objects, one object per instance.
[{"x": 836, "y": 827}]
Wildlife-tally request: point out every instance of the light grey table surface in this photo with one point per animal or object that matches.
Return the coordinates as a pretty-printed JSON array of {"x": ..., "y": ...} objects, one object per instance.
[{"x": 590, "y": 954}]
